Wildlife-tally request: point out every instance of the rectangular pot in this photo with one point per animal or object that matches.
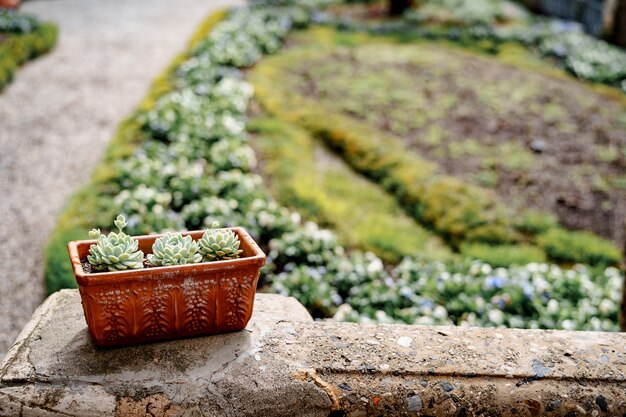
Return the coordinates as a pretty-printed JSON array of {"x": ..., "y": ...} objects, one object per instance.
[{"x": 150, "y": 304}]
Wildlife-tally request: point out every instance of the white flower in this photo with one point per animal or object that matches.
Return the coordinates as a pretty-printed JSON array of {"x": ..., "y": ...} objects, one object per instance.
[
  {"x": 607, "y": 307},
  {"x": 496, "y": 317},
  {"x": 553, "y": 306}
]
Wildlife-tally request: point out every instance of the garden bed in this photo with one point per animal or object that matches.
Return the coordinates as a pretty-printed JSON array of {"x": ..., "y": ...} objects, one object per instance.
[
  {"x": 545, "y": 143},
  {"x": 183, "y": 161},
  {"x": 365, "y": 101}
]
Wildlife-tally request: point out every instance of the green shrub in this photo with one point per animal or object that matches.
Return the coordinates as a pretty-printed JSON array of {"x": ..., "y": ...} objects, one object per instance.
[
  {"x": 504, "y": 255},
  {"x": 583, "y": 247},
  {"x": 58, "y": 271},
  {"x": 535, "y": 223},
  {"x": 26, "y": 39}
]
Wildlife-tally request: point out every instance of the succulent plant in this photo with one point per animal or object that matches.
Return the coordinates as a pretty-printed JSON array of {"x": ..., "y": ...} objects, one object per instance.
[
  {"x": 219, "y": 244},
  {"x": 174, "y": 249},
  {"x": 115, "y": 251}
]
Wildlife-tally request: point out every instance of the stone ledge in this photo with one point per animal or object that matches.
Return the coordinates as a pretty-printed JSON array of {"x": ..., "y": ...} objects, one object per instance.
[{"x": 284, "y": 364}]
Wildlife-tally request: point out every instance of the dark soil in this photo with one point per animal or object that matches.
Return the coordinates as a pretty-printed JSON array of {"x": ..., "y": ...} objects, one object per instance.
[
  {"x": 370, "y": 12},
  {"x": 547, "y": 143},
  {"x": 87, "y": 267}
]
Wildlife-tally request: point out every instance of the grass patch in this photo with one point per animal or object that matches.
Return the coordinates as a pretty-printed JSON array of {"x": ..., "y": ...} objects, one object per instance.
[
  {"x": 455, "y": 210},
  {"x": 504, "y": 255}
]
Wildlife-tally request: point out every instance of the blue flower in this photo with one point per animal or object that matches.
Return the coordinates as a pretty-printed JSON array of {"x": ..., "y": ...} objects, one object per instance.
[
  {"x": 494, "y": 281},
  {"x": 528, "y": 290}
]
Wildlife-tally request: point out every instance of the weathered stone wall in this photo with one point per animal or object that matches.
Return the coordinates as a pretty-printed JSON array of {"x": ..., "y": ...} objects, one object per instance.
[{"x": 284, "y": 364}]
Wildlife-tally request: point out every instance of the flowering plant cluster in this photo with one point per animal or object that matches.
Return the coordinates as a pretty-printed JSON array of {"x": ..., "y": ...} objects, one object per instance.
[
  {"x": 587, "y": 58},
  {"x": 463, "y": 12},
  {"x": 357, "y": 287},
  {"x": 196, "y": 166}
]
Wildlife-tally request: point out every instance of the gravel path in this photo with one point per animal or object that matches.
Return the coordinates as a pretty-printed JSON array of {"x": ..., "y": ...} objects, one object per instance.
[{"x": 59, "y": 113}]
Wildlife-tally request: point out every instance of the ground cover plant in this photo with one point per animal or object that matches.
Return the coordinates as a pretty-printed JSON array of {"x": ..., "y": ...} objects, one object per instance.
[
  {"x": 22, "y": 37},
  {"x": 183, "y": 161}
]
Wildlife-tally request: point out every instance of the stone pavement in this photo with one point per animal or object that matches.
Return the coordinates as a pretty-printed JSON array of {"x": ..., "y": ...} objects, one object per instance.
[
  {"x": 59, "y": 113},
  {"x": 284, "y": 364}
]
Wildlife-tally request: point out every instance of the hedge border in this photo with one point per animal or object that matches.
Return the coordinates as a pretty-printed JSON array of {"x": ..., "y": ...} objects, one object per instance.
[{"x": 289, "y": 155}]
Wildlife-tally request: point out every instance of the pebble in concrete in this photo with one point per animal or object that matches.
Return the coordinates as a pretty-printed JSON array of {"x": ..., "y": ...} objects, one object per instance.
[{"x": 414, "y": 403}]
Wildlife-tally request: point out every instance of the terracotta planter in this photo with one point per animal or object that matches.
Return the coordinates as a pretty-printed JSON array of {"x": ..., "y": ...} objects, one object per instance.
[{"x": 143, "y": 305}]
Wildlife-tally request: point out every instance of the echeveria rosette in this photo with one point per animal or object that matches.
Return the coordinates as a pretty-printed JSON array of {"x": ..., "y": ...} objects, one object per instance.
[
  {"x": 174, "y": 249},
  {"x": 115, "y": 251},
  {"x": 219, "y": 244}
]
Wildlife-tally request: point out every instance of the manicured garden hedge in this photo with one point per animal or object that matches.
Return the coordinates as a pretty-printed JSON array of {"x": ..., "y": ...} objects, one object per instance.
[
  {"x": 22, "y": 38},
  {"x": 182, "y": 161},
  {"x": 306, "y": 176}
]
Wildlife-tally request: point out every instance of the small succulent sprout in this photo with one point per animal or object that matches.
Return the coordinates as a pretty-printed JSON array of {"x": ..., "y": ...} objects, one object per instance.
[
  {"x": 218, "y": 245},
  {"x": 115, "y": 251},
  {"x": 174, "y": 249}
]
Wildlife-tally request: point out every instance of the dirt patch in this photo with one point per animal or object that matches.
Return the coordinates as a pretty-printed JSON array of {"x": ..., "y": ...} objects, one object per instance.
[{"x": 547, "y": 143}]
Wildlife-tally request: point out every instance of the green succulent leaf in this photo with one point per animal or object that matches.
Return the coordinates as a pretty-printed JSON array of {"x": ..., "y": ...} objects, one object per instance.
[
  {"x": 174, "y": 249},
  {"x": 114, "y": 252},
  {"x": 217, "y": 245}
]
